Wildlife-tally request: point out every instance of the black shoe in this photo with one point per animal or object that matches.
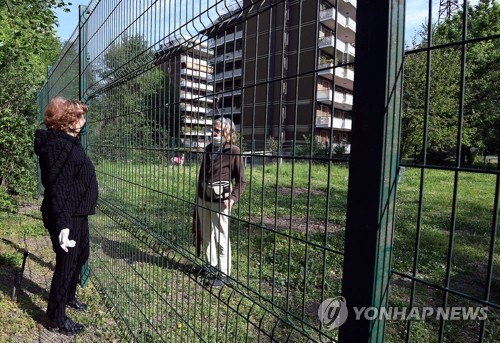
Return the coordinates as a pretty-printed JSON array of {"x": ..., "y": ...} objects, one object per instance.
[
  {"x": 77, "y": 305},
  {"x": 216, "y": 282},
  {"x": 69, "y": 328},
  {"x": 200, "y": 270},
  {"x": 204, "y": 270}
]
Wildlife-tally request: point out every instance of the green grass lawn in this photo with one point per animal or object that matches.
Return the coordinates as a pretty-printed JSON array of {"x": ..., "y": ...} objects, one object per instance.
[
  {"x": 287, "y": 237},
  {"x": 22, "y": 320},
  {"x": 288, "y": 240}
]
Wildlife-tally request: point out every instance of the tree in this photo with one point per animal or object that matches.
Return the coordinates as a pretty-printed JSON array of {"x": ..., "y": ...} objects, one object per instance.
[
  {"x": 483, "y": 71},
  {"x": 26, "y": 25},
  {"x": 480, "y": 126},
  {"x": 27, "y": 45},
  {"x": 129, "y": 108},
  {"x": 423, "y": 72}
]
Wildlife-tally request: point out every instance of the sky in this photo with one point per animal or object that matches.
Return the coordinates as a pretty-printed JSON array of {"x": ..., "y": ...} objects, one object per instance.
[
  {"x": 416, "y": 14},
  {"x": 68, "y": 21}
]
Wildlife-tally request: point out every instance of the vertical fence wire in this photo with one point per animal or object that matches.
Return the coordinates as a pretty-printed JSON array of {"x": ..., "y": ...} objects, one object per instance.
[{"x": 156, "y": 76}]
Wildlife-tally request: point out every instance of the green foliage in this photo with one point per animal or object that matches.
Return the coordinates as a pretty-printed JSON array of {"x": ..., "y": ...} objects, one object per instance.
[
  {"x": 6, "y": 202},
  {"x": 17, "y": 165},
  {"x": 129, "y": 114},
  {"x": 273, "y": 146},
  {"x": 242, "y": 142},
  {"x": 483, "y": 69},
  {"x": 480, "y": 108},
  {"x": 444, "y": 94},
  {"x": 311, "y": 148},
  {"x": 26, "y": 24},
  {"x": 275, "y": 256},
  {"x": 340, "y": 149},
  {"x": 66, "y": 71},
  {"x": 11, "y": 259},
  {"x": 27, "y": 45}
]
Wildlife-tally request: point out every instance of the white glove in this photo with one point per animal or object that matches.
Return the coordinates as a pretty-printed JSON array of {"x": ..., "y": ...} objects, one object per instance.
[{"x": 64, "y": 240}]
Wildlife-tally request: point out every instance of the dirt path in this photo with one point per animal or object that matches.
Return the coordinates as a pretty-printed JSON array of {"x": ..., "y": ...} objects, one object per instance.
[{"x": 24, "y": 318}]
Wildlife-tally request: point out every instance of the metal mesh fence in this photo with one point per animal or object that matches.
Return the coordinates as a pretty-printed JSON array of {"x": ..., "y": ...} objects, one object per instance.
[{"x": 158, "y": 74}]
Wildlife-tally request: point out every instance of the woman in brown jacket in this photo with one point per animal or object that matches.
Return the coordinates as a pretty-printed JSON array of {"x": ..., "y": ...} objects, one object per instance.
[{"x": 221, "y": 183}]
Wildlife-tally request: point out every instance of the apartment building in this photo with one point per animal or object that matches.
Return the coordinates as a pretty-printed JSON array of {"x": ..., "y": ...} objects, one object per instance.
[
  {"x": 283, "y": 69},
  {"x": 226, "y": 44},
  {"x": 284, "y": 47},
  {"x": 336, "y": 41},
  {"x": 185, "y": 60}
]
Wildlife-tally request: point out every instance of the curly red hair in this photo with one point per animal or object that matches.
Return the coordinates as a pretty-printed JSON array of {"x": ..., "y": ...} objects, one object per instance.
[{"x": 61, "y": 113}]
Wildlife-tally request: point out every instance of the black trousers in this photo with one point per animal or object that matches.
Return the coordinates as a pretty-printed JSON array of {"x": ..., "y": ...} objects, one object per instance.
[{"x": 68, "y": 266}]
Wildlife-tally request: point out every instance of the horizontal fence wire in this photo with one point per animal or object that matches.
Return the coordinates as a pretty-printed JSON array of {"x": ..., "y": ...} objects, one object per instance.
[
  {"x": 158, "y": 79},
  {"x": 157, "y": 74}
]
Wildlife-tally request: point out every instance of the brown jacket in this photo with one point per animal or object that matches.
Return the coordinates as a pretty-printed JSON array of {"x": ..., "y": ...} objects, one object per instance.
[{"x": 226, "y": 166}]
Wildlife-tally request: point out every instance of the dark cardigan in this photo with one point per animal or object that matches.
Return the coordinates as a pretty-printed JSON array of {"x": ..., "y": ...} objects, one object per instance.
[{"x": 68, "y": 177}]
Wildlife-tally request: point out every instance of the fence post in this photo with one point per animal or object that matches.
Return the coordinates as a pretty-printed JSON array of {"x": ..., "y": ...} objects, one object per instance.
[
  {"x": 82, "y": 91},
  {"x": 373, "y": 165}
]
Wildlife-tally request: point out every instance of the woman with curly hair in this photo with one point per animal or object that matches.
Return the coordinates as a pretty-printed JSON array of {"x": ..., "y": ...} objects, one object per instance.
[{"x": 70, "y": 195}]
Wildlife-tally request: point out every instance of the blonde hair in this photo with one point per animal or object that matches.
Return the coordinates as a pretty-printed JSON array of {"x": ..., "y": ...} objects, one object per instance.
[
  {"x": 228, "y": 130},
  {"x": 61, "y": 113}
]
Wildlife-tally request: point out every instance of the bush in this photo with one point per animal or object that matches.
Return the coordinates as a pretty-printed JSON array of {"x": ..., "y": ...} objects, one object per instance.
[
  {"x": 17, "y": 162},
  {"x": 7, "y": 203}
]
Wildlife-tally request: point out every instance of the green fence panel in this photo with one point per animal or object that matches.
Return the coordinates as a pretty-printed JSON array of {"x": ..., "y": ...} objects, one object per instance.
[{"x": 330, "y": 108}]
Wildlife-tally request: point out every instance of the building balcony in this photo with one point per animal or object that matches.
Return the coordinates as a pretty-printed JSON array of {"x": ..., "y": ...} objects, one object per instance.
[
  {"x": 198, "y": 67},
  {"x": 197, "y": 121},
  {"x": 225, "y": 39},
  {"x": 325, "y": 96},
  {"x": 346, "y": 27},
  {"x": 226, "y": 93},
  {"x": 326, "y": 70},
  {"x": 344, "y": 76},
  {"x": 329, "y": 43},
  {"x": 231, "y": 110},
  {"x": 194, "y": 60},
  {"x": 228, "y": 74},
  {"x": 353, "y": 3},
  {"x": 196, "y": 73},
  {"x": 336, "y": 123},
  {"x": 228, "y": 56},
  {"x": 191, "y": 108},
  {"x": 187, "y": 43},
  {"x": 344, "y": 5},
  {"x": 341, "y": 100},
  {"x": 189, "y": 132},
  {"x": 196, "y": 85},
  {"x": 231, "y": 93},
  {"x": 224, "y": 111},
  {"x": 190, "y": 96}
]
